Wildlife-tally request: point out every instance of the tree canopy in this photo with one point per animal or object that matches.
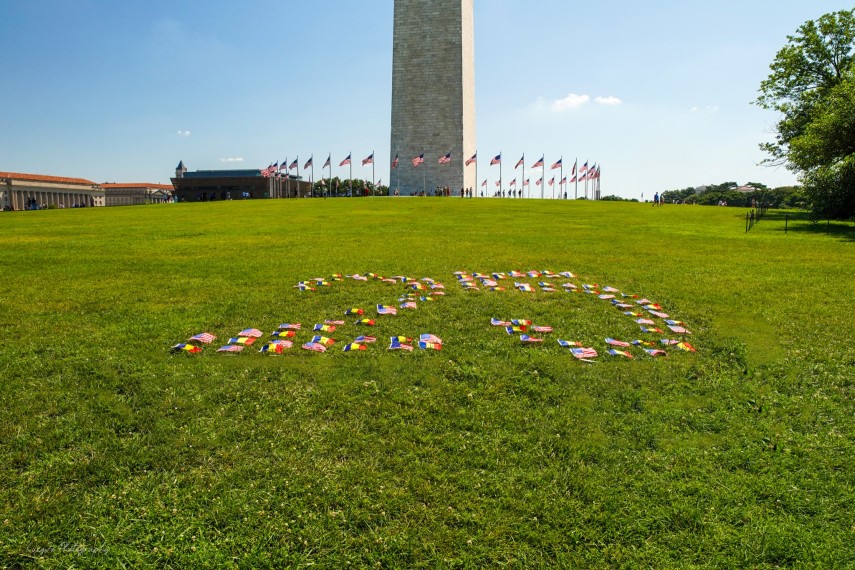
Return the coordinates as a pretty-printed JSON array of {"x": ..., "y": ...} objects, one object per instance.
[{"x": 812, "y": 85}]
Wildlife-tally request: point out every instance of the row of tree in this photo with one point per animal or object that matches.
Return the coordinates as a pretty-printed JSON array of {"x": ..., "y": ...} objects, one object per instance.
[
  {"x": 812, "y": 86},
  {"x": 783, "y": 197},
  {"x": 347, "y": 188}
]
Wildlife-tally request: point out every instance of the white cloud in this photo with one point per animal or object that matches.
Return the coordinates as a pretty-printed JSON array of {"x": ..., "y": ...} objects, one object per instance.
[
  {"x": 707, "y": 109},
  {"x": 184, "y": 133},
  {"x": 570, "y": 102},
  {"x": 608, "y": 100},
  {"x": 232, "y": 159}
]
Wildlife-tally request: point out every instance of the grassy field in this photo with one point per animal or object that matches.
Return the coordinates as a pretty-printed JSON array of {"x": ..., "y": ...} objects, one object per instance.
[{"x": 116, "y": 452}]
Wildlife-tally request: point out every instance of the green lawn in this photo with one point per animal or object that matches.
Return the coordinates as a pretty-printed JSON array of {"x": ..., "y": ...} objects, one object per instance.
[{"x": 114, "y": 451}]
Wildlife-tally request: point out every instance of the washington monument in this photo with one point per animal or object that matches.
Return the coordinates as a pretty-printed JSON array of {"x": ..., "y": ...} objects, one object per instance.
[{"x": 433, "y": 95}]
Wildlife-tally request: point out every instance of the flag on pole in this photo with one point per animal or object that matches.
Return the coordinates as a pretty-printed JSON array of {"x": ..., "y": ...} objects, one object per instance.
[
  {"x": 368, "y": 160},
  {"x": 563, "y": 180},
  {"x": 558, "y": 164},
  {"x": 293, "y": 165},
  {"x": 527, "y": 180},
  {"x": 575, "y": 164},
  {"x": 395, "y": 162},
  {"x": 484, "y": 183},
  {"x": 521, "y": 162},
  {"x": 538, "y": 164},
  {"x": 345, "y": 162},
  {"x": 419, "y": 159},
  {"x": 539, "y": 182},
  {"x": 513, "y": 183},
  {"x": 572, "y": 180},
  {"x": 496, "y": 160},
  {"x": 498, "y": 182},
  {"x": 584, "y": 167},
  {"x": 445, "y": 159},
  {"x": 283, "y": 165},
  {"x": 308, "y": 163},
  {"x": 473, "y": 159},
  {"x": 552, "y": 182},
  {"x": 327, "y": 163}
]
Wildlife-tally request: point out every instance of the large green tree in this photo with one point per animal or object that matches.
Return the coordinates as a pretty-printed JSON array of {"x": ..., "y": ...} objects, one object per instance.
[{"x": 812, "y": 85}]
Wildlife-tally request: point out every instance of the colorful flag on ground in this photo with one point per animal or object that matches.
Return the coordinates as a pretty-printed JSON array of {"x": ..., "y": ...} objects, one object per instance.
[
  {"x": 430, "y": 338},
  {"x": 500, "y": 323},
  {"x": 290, "y": 326},
  {"x": 643, "y": 343},
  {"x": 569, "y": 344},
  {"x": 398, "y": 345},
  {"x": 326, "y": 341},
  {"x": 524, "y": 287},
  {"x": 686, "y": 346},
  {"x": 368, "y": 339},
  {"x": 354, "y": 346},
  {"x": 354, "y": 311},
  {"x": 525, "y": 339},
  {"x": 409, "y": 305},
  {"x": 183, "y": 347},
  {"x": 314, "y": 346},
  {"x": 424, "y": 345},
  {"x": 386, "y": 310},
  {"x": 404, "y": 339},
  {"x": 473, "y": 159},
  {"x": 541, "y": 329},
  {"x": 521, "y": 322},
  {"x": 614, "y": 342},
  {"x": 336, "y": 323},
  {"x": 623, "y": 353},
  {"x": 655, "y": 352},
  {"x": 584, "y": 353},
  {"x": 660, "y": 314},
  {"x": 368, "y": 159},
  {"x": 644, "y": 322},
  {"x": 346, "y": 161},
  {"x": 324, "y": 328},
  {"x": 284, "y": 334},
  {"x": 516, "y": 329},
  {"x": 254, "y": 333},
  {"x": 206, "y": 338},
  {"x": 656, "y": 330},
  {"x": 678, "y": 329},
  {"x": 244, "y": 340},
  {"x": 230, "y": 348}
]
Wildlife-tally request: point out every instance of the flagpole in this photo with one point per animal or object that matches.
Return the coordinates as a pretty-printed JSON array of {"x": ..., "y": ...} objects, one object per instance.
[
  {"x": 424, "y": 178},
  {"x": 476, "y": 173},
  {"x": 312, "y": 176},
  {"x": 501, "y": 191},
  {"x": 561, "y": 179},
  {"x": 351, "y": 173},
  {"x": 329, "y": 165},
  {"x": 373, "y": 186},
  {"x": 298, "y": 176},
  {"x": 586, "y": 181},
  {"x": 523, "y": 176},
  {"x": 542, "y": 177},
  {"x": 576, "y": 182}
]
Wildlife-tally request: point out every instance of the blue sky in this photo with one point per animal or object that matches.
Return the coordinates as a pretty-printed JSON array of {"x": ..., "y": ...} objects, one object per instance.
[{"x": 657, "y": 93}]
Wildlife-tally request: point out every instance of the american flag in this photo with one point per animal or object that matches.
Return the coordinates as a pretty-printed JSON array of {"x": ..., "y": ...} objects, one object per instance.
[
  {"x": 527, "y": 180},
  {"x": 445, "y": 159},
  {"x": 395, "y": 162},
  {"x": 573, "y": 179},
  {"x": 230, "y": 348},
  {"x": 498, "y": 182},
  {"x": 521, "y": 162},
  {"x": 419, "y": 159},
  {"x": 558, "y": 164},
  {"x": 274, "y": 168},
  {"x": 484, "y": 183},
  {"x": 538, "y": 164},
  {"x": 345, "y": 162},
  {"x": 283, "y": 165},
  {"x": 207, "y": 338},
  {"x": 327, "y": 163},
  {"x": 552, "y": 182},
  {"x": 539, "y": 182},
  {"x": 293, "y": 165},
  {"x": 496, "y": 160},
  {"x": 584, "y": 353},
  {"x": 513, "y": 182},
  {"x": 563, "y": 180},
  {"x": 584, "y": 167},
  {"x": 308, "y": 163},
  {"x": 575, "y": 164},
  {"x": 368, "y": 160},
  {"x": 386, "y": 310},
  {"x": 473, "y": 159}
]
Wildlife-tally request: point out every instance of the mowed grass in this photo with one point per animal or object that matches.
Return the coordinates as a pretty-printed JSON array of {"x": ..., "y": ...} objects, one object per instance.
[{"x": 115, "y": 452}]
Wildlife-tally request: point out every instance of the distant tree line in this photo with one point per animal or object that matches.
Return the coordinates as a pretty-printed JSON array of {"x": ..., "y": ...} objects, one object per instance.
[
  {"x": 726, "y": 193},
  {"x": 342, "y": 187}
]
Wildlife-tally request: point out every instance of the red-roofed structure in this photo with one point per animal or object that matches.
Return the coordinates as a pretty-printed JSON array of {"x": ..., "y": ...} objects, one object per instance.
[{"x": 20, "y": 191}]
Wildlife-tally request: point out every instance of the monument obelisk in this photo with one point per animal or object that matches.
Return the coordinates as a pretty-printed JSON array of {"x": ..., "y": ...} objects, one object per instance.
[{"x": 433, "y": 95}]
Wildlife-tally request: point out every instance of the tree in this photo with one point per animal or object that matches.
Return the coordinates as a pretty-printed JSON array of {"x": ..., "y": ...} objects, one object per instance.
[{"x": 812, "y": 85}]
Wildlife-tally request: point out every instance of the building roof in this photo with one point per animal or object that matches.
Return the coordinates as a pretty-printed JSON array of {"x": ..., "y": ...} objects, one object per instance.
[
  {"x": 253, "y": 173},
  {"x": 46, "y": 178},
  {"x": 116, "y": 185}
]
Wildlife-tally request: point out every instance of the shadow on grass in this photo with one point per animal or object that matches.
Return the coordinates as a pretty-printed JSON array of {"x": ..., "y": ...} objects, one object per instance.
[{"x": 799, "y": 222}]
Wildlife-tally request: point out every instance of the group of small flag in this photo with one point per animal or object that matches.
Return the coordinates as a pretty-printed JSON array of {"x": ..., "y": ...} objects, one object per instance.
[{"x": 492, "y": 281}]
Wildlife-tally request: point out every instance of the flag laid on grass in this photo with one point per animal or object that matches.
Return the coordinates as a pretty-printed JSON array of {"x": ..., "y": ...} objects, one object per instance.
[
  {"x": 430, "y": 345},
  {"x": 336, "y": 323},
  {"x": 409, "y": 305},
  {"x": 569, "y": 344},
  {"x": 244, "y": 340},
  {"x": 254, "y": 333},
  {"x": 567, "y": 274},
  {"x": 354, "y": 346},
  {"x": 660, "y": 314},
  {"x": 290, "y": 326},
  {"x": 686, "y": 347},
  {"x": 655, "y": 352},
  {"x": 643, "y": 343},
  {"x": 584, "y": 353},
  {"x": 678, "y": 329},
  {"x": 206, "y": 338},
  {"x": 656, "y": 330},
  {"x": 386, "y": 310},
  {"x": 354, "y": 311},
  {"x": 541, "y": 329},
  {"x": 622, "y": 353},
  {"x": 500, "y": 323},
  {"x": 366, "y": 322},
  {"x": 314, "y": 347},
  {"x": 396, "y": 344},
  {"x": 516, "y": 329},
  {"x": 324, "y": 328},
  {"x": 183, "y": 347},
  {"x": 326, "y": 341},
  {"x": 524, "y": 287},
  {"x": 525, "y": 339},
  {"x": 605, "y": 297},
  {"x": 644, "y": 322},
  {"x": 614, "y": 342},
  {"x": 230, "y": 348},
  {"x": 284, "y": 334},
  {"x": 430, "y": 338}
]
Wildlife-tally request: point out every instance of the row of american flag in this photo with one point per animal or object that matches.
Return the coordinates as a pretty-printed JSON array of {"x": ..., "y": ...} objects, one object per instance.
[{"x": 578, "y": 173}]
